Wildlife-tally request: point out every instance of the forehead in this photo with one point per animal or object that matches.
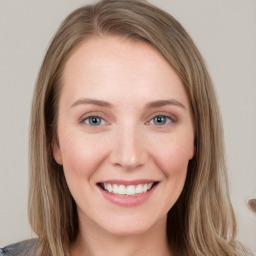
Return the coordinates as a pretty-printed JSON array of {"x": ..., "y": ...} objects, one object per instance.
[{"x": 103, "y": 65}]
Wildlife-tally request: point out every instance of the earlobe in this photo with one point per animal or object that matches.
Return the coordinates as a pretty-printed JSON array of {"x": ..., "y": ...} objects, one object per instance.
[{"x": 56, "y": 152}]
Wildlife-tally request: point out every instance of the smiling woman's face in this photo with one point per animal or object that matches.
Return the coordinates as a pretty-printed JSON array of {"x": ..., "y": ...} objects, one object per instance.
[{"x": 125, "y": 135}]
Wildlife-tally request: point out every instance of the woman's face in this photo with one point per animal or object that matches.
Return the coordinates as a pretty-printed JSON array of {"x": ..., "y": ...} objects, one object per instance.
[{"x": 125, "y": 135}]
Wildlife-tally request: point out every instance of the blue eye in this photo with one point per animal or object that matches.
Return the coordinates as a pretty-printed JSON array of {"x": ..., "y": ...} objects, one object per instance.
[
  {"x": 94, "y": 121},
  {"x": 161, "y": 120}
]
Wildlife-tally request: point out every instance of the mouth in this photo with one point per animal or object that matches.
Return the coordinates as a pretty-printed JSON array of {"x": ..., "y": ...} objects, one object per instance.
[{"x": 127, "y": 190}]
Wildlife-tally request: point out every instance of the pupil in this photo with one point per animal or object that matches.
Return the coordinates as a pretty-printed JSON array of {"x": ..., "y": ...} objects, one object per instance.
[
  {"x": 95, "y": 120},
  {"x": 160, "y": 120}
]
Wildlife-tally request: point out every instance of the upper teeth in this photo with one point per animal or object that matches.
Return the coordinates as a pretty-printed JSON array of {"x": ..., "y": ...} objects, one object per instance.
[{"x": 127, "y": 190}]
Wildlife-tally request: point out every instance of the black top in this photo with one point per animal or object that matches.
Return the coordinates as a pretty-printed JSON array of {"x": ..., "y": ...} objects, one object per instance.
[{"x": 24, "y": 248}]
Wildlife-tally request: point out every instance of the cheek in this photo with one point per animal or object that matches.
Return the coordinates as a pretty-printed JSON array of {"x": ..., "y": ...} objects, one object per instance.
[
  {"x": 174, "y": 157},
  {"x": 81, "y": 154},
  {"x": 173, "y": 162}
]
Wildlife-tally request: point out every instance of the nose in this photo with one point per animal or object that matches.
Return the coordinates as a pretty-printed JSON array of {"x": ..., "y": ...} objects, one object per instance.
[{"x": 129, "y": 149}]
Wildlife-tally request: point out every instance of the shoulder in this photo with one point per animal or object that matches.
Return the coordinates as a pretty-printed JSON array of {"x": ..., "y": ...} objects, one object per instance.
[{"x": 24, "y": 248}]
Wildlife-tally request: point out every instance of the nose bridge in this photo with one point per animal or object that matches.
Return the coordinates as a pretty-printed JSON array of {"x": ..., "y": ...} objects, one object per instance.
[{"x": 129, "y": 150}]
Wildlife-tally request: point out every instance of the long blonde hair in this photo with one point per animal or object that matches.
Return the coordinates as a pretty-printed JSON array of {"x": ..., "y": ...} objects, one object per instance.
[{"x": 202, "y": 221}]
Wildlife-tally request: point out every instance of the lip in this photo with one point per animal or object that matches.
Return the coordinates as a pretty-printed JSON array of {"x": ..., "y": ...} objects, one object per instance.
[
  {"x": 124, "y": 200},
  {"x": 128, "y": 182}
]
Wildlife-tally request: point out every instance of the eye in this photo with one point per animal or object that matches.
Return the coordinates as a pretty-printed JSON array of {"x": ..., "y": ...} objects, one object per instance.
[
  {"x": 161, "y": 120},
  {"x": 94, "y": 121}
]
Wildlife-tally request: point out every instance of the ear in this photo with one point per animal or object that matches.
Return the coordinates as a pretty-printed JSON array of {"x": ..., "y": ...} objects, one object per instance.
[{"x": 57, "y": 155}]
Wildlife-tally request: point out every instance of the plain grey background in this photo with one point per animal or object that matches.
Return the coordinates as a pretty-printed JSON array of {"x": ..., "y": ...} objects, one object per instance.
[{"x": 225, "y": 33}]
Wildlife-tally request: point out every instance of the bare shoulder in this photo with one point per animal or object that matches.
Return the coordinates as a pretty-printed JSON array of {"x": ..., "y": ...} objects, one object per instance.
[{"x": 23, "y": 248}]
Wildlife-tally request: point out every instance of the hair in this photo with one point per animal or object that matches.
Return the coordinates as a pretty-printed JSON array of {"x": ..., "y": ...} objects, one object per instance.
[{"x": 202, "y": 221}]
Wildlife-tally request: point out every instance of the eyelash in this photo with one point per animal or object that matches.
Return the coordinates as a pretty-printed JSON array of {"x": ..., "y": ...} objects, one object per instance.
[
  {"x": 84, "y": 119},
  {"x": 168, "y": 119},
  {"x": 93, "y": 117}
]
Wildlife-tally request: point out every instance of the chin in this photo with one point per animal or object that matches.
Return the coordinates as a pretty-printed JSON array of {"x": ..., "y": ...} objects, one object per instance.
[{"x": 128, "y": 227}]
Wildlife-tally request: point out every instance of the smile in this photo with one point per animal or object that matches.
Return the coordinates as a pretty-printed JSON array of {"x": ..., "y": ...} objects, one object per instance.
[
  {"x": 127, "y": 193},
  {"x": 130, "y": 190}
]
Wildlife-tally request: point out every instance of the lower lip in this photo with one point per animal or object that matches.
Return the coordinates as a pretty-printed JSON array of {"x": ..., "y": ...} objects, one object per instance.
[{"x": 128, "y": 200}]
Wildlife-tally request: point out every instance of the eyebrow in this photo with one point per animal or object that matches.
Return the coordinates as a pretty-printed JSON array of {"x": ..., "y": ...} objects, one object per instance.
[
  {"x": 161, "y": 103},
  {"x": 92, "y": 102},
  {"x": 153, "y": 104}
]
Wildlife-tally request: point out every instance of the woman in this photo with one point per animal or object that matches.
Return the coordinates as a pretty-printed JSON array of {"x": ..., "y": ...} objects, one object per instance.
[{"x": 126, "y": 153}]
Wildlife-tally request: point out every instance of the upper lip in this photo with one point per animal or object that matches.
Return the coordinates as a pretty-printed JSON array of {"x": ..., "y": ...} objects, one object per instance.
[{"x": 128, "y": 182}]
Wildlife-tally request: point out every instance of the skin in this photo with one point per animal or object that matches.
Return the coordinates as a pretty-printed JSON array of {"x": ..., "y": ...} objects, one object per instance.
[{"x": 127, "y": 144}]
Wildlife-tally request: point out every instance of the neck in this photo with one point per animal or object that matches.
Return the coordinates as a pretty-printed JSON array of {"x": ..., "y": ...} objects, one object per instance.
[{"x": 93, "y": 241}]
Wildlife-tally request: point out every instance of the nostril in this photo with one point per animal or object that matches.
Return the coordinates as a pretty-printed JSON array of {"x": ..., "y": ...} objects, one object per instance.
[{"x": 129, "y": 151}]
